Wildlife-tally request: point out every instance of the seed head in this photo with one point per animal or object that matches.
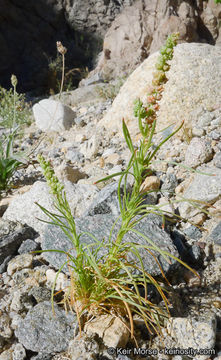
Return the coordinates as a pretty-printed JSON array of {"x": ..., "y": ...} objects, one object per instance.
[
  {"x": 61, "y": 49},
  {"x": 14, "y": 80}
]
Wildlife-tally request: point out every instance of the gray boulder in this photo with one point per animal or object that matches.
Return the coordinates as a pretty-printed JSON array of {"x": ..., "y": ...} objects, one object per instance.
[
  {"x": 45, "y": 332},
  {"x": 23, "y": 208},
  {"x": 100, "y": 226}
]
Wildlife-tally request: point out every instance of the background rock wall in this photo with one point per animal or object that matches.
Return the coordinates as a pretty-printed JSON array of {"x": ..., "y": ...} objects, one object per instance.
[
  {"x": 142, "y": 29},
  {"x": 29, "y": 31},
  {"x": 131, "y": 31}
]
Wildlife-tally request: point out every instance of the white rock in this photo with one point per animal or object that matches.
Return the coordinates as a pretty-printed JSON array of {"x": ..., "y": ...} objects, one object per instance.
[
  {"x": 51, "y": 115},
  {"x": 61, "y": 281},
  {"x": 69, "y": 173},
  {"x": 195, "y": 333},
  {"x": 6, "y": 355},
  {"x": 90, "y": 147},
  {"x": 204, "y": 188},
  {"x": 19, "y": 352},
  {"x": 198, "y": 152}
]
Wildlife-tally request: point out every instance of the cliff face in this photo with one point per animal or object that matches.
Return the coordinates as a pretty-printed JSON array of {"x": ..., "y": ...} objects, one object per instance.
[
  {"x": 142, "y": 28},
  {"x": 131, "y": 31},
  {"x": 29, "y": 31}
]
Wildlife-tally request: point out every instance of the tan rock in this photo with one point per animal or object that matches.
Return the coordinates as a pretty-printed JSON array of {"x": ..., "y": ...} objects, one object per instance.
[
  {"x": 6, "y": 355},
  {"x": 113, "y": 159},
  {"x": 72, "y": 174},
  {"x": 113, "y": 332},
  {"x": 19, "y": 262},
  {"x": 150, "y": 183}
]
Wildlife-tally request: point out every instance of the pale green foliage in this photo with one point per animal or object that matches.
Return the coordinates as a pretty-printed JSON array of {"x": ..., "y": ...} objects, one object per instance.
[
  {"x": 13, "y": 109},
  {"x": 14, "y": 112},
  {"x": 8, "y": 161},
  {"x": 166, "y": 54},
  {"x": 110, "y": 92}
]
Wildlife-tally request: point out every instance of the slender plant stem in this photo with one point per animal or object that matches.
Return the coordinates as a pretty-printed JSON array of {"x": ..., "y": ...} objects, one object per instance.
[{"x": 62, "y": 78}]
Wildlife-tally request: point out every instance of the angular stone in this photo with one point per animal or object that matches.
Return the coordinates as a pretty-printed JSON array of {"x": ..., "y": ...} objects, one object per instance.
[
  {"x": 40, "y": 293},
  {"x": 215, "y": 235},
  {"x": 198, "y": 152},
  {"x": 19, "y": 262},
  {"x": 100, "y": 226},
  {"x": 113, "y": 332},
  {"x": 5, "y": 328},
  {"x": 43, "y": 331},
  {"x": 11, "y": 236},
  {"x": 74, "y": 156},
  {"x": 28, "y": 246},
  {"x": 90, "y": 147},
  {"x": 217, "y": 160},
  {"x": 6, "y": 355},
  {"x": 88, "y": 94},
  {"x": 204, "y": 188},
  {"x": 85, "y": 348},
  {"x": 170, "y": 182},
  {"x": 19, "y": 352},
  {"x": 51, "y": 115},
  {"x": 150, "y": 183},
  {"x": 105, "y": 202},
  {"x": 65, "y": 172}
]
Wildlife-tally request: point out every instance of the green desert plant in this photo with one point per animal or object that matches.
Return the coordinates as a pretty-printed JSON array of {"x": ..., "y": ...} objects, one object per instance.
[
  {"x": 111, "y": 91},
  {"x": 108, "y": 284},
  {"x": 14, "y": 110},
  {"x": 57, "y": 69},
  {"x": 8, "y": 161}
]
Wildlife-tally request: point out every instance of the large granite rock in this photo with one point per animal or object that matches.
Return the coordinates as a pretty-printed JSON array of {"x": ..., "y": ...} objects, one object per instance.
[
  {"x": 23, "y": 207},
  {"x": 45, "y": 332},
  {"x": 195, "y": 71},
  {"x": 100, "y": 226}
]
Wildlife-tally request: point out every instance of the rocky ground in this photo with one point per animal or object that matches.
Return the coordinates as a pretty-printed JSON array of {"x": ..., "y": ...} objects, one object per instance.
[{"x": 82, "y": 152}]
